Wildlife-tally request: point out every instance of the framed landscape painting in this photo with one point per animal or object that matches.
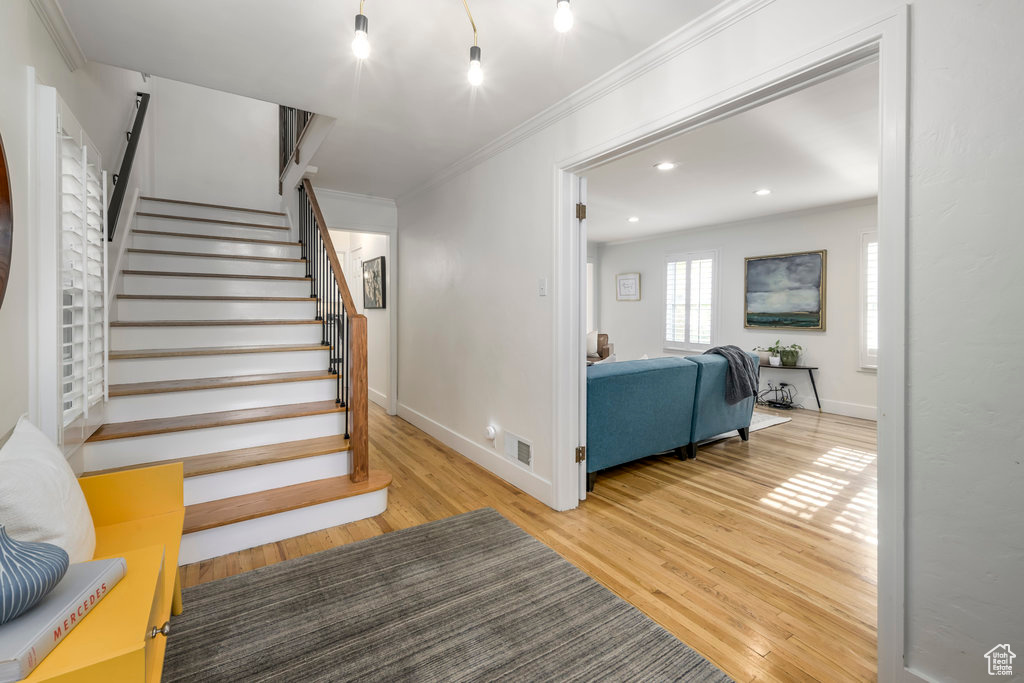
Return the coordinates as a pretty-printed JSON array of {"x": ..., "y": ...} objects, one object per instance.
[{"x": 785, "y": 291}]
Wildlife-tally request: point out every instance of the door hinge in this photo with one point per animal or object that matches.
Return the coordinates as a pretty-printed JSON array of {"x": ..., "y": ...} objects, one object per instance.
[
  {"x": 581, "y": 453},
  {"x": 581, "y": 211}
]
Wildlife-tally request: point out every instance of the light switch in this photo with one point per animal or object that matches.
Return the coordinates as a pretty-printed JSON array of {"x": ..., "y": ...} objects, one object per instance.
[{"x": 542, "y": 286}]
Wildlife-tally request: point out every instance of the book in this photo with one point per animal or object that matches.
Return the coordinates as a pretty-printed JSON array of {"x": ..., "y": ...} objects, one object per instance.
[{"x": 25, "y": 641}]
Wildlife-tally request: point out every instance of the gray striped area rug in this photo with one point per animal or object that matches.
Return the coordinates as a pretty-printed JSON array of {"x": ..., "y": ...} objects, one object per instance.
[{"x": 470, "y": 598}]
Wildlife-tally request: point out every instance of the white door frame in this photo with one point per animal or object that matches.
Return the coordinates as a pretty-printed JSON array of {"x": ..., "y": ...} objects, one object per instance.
[{"x": 886, "y": 39}]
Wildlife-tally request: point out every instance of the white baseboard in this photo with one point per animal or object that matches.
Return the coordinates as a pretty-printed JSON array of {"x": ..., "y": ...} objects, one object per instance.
[
  {"x": 857, "y": 410},
  {"x": 490, "y": 460},
  {"x": 378, "y": 398}
]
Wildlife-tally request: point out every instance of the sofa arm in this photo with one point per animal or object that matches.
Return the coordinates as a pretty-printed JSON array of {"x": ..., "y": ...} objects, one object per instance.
[
  {"x": 134, "y": 494},
  {"x": 712, "y": 414}
]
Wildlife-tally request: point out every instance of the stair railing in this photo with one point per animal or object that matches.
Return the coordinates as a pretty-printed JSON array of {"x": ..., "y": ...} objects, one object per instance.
[
  {"x": 292, "y": 126},
  {"x": 343, "y": 328},
  {"x": 121, "y": 177}
]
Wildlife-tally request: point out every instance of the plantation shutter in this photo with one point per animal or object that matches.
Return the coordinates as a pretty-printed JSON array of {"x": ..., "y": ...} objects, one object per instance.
[
  {"x": 83, "y": 318},
  {"x": 73, "y": 268},
  {"x": 689, "y": 301},
  {"x": 869, "y": 297}
]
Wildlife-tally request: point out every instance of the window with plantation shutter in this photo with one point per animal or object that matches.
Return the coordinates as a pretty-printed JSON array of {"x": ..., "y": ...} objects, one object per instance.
[
  {"x": 82, "y": 290},
  {"x": 869, "y": 301},
  {"x": 690, "y": 305}
]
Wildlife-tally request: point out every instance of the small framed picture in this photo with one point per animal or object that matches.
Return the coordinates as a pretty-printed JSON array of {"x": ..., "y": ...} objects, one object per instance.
[{"x": 627, "y": 287}]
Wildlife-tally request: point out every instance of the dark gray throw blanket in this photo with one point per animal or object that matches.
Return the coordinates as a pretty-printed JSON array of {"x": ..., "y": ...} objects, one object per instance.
[{"x": 741, "y": 381}]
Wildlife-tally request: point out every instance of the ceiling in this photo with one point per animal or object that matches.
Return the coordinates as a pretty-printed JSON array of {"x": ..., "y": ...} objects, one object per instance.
[
  {"x": 812, "y": 148},
  {"x": 408, "y": 111}
]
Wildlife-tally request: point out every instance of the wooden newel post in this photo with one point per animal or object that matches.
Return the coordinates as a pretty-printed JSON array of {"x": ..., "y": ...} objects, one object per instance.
[{"x": 358, "y": 406}]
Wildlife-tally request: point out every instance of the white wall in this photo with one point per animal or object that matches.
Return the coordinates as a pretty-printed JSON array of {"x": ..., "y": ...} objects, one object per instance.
[
  {"x": 100, "y": 97},
  {"x": 477, "y": 343},
  {"x": 378, "y": 321},
  {"x": 213, "y": 146},
  {"x": 638, "y": 327}
]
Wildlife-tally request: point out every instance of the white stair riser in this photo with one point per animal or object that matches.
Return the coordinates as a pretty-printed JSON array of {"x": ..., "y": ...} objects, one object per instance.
[
  {"x": 212, "y": 286},
  {"x": 195, "y": 336},
  {"x": 103, "y": 455},
  {"x": 202, "y": 545},
  {"x": 170, "y": 309},
  {"x": 245, "y": 480},
  {"x": 170, "y": 209},
  {"x": 175, "y": 403},
  {"x": 205, "y": 246},
  {"x": 202, "y": 264},
  {"x": 128, "y": 370},
  {"x": 204, "y": 228}
]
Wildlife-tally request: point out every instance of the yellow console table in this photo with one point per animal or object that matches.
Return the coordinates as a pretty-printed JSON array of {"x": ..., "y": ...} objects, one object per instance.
[{"x": 138, "y": 515}]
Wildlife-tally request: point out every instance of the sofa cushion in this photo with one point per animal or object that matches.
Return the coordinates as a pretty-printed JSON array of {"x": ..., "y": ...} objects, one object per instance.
[{"x": 40, "y": 499}]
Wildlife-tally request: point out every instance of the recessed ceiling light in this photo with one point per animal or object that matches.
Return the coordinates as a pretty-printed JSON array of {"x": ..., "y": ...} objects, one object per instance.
[
  {"x": 763, "y": 192},
  {"x": 665, "y": 165},
  {"x": 634, "y": 219}
]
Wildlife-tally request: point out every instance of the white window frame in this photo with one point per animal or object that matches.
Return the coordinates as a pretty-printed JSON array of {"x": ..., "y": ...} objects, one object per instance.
[
  {"x": 591, "y": 296},
  {"x": 868, "y": 358},
  {"x": 672, "y": 345}
]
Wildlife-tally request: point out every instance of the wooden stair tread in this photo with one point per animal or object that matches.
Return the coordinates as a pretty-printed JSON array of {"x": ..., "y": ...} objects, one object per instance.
[
  {"x": 229, "y": 276},
  {"x": 218, "y": 221},
  {"x": 212, "y": 206},
  {"x": 189, "y": 235},
  {"x": 214, "y": 351},
  {"x": 252, "y": 505},
  {"x": 196, "y": 297},
  {"x": 208, "y": 323},
  {"x": 173, "y": 385},
  {"x": 211, "y": 463},
  {"x": 199, "y": 254},
  {"x": 165, "y": 425}
]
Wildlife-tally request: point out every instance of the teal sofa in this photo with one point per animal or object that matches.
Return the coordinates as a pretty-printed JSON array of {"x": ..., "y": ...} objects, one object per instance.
[{"x": 638, "y": 408}]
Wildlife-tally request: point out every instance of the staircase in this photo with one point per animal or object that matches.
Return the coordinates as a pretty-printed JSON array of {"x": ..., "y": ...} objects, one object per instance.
[{"x": 221, "y": 359}]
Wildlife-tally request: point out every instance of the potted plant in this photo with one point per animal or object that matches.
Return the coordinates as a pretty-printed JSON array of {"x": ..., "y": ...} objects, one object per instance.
[
  {"x": 790, "y": 354},
  {"x": 764, "y": 354},
  {"x": 774, "y": 357}
]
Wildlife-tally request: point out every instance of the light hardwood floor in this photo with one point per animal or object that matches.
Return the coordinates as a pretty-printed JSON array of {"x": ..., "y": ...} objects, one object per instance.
[{"x": 760, "y": 555}]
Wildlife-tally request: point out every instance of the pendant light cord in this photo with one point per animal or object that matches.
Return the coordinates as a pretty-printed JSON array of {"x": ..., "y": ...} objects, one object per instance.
[
  {"x": 361, "y": 2},
  {"x": 471, "y": 22}
]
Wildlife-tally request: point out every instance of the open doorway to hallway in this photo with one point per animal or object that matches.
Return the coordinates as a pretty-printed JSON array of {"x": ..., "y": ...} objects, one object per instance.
[
  {"x": 759, "y": 231},
  {"x": 365, "y": 259}
]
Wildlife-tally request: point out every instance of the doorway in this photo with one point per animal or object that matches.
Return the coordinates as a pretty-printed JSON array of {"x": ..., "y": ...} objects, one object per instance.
[
  {"x": 356, "y": 248},
  {"x": 884, "y": 41}
]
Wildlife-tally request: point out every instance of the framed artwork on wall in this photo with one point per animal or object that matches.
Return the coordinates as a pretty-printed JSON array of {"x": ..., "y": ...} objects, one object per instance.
[
  {"x": 785, "y": 291},
  {"x": 6, "y": 223},
  {"x": 374, "y": 295},
  {"x": 627, "y": 287}
]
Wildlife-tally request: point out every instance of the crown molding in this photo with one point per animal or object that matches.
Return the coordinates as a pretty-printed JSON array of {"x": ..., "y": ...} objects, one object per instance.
[
  {"x": 56, "y": 25},
  {"x": 353, "y": 195},
  {"x": 697, "y": 31}
]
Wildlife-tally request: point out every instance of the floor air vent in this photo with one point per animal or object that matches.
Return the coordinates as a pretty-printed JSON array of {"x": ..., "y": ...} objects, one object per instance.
[{"x": 519, "y": 451}]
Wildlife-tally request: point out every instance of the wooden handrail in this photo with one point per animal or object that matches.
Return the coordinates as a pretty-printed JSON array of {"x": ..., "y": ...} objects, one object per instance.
[
  {"x": 332, "y": 254},
  {"x": 358, "y": 400}
]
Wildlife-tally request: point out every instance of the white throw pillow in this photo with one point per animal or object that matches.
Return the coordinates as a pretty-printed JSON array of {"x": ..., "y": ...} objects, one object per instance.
[
  {"x": 40, "y": 499},
  {"x": 591, "y": 343}
]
